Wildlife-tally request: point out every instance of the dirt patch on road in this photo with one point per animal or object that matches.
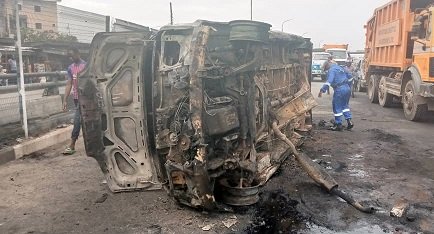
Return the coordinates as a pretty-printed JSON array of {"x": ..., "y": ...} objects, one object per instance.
[{"x": 380, "y": 135}]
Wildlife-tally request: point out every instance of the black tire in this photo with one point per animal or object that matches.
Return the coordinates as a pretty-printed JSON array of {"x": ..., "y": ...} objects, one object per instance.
[
  {"x": 412, "y": 110},
  {"x": 384, "y": 99},
  {"x": 359, "y": 87},
  {"x": 373, "y": 89}
]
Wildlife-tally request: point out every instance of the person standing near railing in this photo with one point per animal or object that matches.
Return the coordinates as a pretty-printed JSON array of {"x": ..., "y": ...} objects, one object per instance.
[
  {"x": 2, "y": 82},
  {"x": 12, "y": 68},
  {"x": 12, "y": 64},
  {"x": 74, "y": 69}
]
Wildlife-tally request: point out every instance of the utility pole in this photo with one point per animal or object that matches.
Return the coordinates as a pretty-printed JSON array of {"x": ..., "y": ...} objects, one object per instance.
[
  {"x": 107, "y": 23},
  {"x": 20, "y": 73},
  {"x": 171, "y": 14},
  {"x": 251, "y": 9}
]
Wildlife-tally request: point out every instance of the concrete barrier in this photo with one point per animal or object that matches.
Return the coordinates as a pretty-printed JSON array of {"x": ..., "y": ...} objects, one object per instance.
[{"x": 33, "y": 145}]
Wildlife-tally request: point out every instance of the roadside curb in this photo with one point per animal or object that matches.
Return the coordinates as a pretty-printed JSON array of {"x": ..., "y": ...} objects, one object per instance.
[{"x": 28, "y": 147}]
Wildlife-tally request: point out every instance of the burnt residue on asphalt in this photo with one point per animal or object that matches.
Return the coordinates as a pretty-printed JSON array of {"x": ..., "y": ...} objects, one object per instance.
[
  {"x": 276, "y": 212},
  {"x": 380, "y": 135}
]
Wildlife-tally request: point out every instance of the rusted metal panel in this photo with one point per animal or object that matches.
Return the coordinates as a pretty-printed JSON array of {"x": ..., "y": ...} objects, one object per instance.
[
  {"x": 209, "y": 96},
  {"x": 297, "y": 106}
]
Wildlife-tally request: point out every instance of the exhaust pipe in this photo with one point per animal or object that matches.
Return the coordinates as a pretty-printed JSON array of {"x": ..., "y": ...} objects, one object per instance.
[{"x": 317, "y": 173}]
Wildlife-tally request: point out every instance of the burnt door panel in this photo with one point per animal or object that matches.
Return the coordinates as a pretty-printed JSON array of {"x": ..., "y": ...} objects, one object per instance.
[{"x": 112, "y": 102}]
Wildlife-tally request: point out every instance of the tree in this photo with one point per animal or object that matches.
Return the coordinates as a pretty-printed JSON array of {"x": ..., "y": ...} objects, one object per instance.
[{"x": 31, "y": 35}]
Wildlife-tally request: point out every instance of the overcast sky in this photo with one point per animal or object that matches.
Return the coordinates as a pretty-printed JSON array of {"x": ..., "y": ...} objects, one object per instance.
[{"x": 325, "y": 21}]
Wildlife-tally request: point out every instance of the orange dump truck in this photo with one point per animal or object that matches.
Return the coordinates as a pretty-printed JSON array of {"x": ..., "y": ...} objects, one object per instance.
[
  {"x": 335, "y": 46},
  {"x": 399, "y": 57}
]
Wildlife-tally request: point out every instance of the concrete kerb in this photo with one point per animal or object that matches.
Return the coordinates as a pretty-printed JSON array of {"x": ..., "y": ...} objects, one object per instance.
[{"x": 28, "y": 147}]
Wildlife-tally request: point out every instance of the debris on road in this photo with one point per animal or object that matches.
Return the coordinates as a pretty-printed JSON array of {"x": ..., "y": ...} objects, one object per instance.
[
  {"x": 319, "y": 175},
  {"x": 62, "y": 126},
  {"x": 230, "y": 221},
  {"x": 322, "y": 123},
  {"x": 399, "y": 208},
  {"x": 276, "y": 213},
  {"x": 102, "y": 198},
  {"x": 207, "y": 227},
  {"x": 154, "y": 229}
]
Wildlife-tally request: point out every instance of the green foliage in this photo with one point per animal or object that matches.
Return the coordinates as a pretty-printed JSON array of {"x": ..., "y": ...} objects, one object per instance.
[{"x": 31, "y": 35}]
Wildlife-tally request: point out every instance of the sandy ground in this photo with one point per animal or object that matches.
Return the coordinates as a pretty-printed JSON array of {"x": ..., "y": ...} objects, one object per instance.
[{"x": 384, "y": 159}]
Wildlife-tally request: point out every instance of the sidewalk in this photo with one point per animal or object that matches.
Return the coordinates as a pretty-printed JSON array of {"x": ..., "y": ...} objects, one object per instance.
[{"x": 33, "y": 145}]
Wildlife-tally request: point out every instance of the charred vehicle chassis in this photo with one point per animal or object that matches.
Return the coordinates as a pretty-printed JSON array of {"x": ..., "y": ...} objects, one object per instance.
[{"x": 192, "y": 108}]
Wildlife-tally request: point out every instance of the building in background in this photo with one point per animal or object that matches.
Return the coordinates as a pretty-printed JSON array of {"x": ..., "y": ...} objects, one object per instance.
[
  {"x": 48, "y": 22},
  {"x": 84, "y": 25},
  {"x": 39, "y": 15},
  {"x": 119, "y": 25},
  {"x": 81, "y": 24}
]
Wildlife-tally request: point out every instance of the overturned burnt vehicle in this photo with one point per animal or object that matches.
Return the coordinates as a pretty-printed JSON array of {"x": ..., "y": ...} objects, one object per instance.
[{"x": 195, "y": 108}]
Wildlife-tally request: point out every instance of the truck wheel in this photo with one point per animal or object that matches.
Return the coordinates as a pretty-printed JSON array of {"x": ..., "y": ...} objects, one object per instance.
[
  {"x": 385, "y": 99},
  {"x": 412, "y": 110},
  {"x": 373, "y": 89}
]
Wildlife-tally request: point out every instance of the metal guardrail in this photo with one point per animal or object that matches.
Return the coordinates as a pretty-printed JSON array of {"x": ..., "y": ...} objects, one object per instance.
[
  {"x": 30, "y": 87},
  {"x": 34, "y": 86},
  {"x": 36, "y": 74},
  {"x": 43, "y": 103}
]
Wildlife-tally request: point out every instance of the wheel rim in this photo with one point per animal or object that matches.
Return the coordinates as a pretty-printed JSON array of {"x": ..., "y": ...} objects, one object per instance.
[{"x": 408, "y": 98}]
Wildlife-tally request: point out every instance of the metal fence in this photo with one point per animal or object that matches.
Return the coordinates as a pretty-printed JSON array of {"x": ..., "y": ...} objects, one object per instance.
[
  {"x": 43, "y": 101},
  {"x": 68, "y": 27}
]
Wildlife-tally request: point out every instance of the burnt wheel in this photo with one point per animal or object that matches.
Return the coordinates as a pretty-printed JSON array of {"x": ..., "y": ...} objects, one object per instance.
[
  {"x": 373, "y": 89},
  {"x": 412, "y": 110},
  {"x": 385, "y": 99}
]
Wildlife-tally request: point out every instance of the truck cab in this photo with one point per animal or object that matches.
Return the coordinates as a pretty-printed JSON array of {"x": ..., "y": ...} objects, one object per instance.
[
  {"x": 341, "y": 56},
  {"x": 318, "y": 60},
  {"x": 423, "y": 43}
]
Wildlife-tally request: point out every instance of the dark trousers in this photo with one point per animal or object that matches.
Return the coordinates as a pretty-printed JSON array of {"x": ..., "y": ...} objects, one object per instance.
[{"x": 77, "y": 124}]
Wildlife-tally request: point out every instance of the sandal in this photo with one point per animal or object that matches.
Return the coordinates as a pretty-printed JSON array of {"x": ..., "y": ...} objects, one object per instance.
[{"x": 69, "y": 151}]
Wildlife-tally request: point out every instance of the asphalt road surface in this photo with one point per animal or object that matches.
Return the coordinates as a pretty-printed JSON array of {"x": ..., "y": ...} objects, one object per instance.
[{"x": 383, "y": 160}]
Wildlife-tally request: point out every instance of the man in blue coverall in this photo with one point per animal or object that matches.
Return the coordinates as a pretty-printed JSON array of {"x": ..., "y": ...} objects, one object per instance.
[{"x": 338, "y": 78}]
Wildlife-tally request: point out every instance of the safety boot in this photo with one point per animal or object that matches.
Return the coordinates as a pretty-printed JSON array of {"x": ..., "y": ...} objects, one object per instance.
[
  {"x": 350, "y": 124},
  {"x": 336, "y": 127}
]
